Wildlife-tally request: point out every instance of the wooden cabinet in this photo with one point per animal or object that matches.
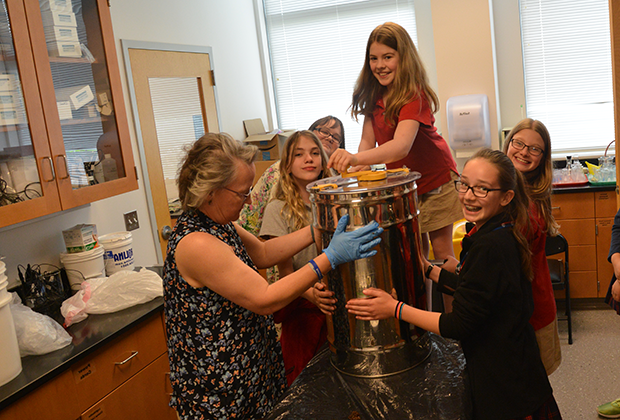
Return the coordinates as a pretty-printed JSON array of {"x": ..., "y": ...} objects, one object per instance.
[
  {"x": 126, "y": 379},
  {"x": 64, "y": 137},
  {"x": 585, "y": 220}
]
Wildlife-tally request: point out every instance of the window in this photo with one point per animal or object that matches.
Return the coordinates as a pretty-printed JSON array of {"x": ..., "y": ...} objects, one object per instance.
[
  {"x": 568, "y": 74},
  {"x": 317, "y": 50}
]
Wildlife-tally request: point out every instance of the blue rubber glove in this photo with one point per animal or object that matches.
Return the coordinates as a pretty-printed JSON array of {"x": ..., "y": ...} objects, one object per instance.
[{"x": 349, "y": 246}]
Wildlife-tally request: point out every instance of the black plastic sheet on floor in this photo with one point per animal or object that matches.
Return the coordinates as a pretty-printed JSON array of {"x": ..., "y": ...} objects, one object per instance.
[{"x": 432, "y": 390}]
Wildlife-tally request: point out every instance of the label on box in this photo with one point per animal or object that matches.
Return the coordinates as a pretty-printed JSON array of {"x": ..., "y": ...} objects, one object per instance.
[
  {"x": 10, "y": 117},
  {"x": 80, "y": 238},
  {"x": 78, "y": 96},
  {"x": 64, "y": 110},
  {"x": 7, "y": 82},
  {"x": 7, "y": 100},
  {"x": 64, "y": 49},
  {"x": 53, "y": 17},
  {"x": 61, "y": 33}
]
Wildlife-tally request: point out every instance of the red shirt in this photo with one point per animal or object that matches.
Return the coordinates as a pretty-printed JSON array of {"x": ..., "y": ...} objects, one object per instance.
[
  {"x": 429, "y": 155},
  {"x": 542, "y": 289}
]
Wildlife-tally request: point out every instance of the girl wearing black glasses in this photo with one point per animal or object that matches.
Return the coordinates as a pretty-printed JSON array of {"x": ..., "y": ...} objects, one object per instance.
[{"x": 528, "y": 145}]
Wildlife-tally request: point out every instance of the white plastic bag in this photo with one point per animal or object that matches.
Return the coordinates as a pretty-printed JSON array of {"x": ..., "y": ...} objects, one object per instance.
[
  {"x": 36, "y": 333},
  {"x": 121, "y": 290}
]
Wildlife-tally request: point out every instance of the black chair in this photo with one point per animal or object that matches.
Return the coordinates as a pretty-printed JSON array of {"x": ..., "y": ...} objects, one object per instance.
[{"x": 558, "y": 269}]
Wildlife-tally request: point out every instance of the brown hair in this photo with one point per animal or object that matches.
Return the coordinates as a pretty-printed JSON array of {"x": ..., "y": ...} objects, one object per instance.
[
  {"x": 209, "y": 164},
  {"x": 329, "y": 121},
  {"x": 411, "y": 81},
  {"x": 511, "y": 179},
  {"x": 539, "y": 181},
  {"x": 294, "y": 209}
]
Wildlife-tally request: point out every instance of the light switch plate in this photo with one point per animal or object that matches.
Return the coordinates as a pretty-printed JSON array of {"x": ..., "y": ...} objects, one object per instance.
[{"x": 131, "y": 220}]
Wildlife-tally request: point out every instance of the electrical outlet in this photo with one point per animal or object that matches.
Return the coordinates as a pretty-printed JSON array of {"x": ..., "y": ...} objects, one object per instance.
[{"x": 131, "y": 220}]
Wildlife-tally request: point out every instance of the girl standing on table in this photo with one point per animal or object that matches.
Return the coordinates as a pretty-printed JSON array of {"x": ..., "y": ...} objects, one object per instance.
[
  {"x": 493, "y": 297},
  {"x": 304, "y": 329},
  {"x": 393, "y": 94},
  {"x": 528, "y": 145}
]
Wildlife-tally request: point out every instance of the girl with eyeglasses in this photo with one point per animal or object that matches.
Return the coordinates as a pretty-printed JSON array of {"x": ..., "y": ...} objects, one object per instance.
[
  {"x": 304, "y": 329},
  {"x": 528, "y": 145},
  {"x": 393, "y": 94},
  {"x": 492, "y": 299}
]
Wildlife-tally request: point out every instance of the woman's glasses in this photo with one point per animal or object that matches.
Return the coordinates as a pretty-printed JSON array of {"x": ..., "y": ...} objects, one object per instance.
[
  {"x": 519, "y": 145},
  {"x": 240, "y": 195},
  {"x": 478, "y": 191},
  {"x": 334, "y": 139}
]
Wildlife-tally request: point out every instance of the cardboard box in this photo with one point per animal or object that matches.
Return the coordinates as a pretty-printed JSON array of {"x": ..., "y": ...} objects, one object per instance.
[
  {"x": 56, "y": 18},
  {"x": 61, "y": 34},
  {"x": 80, "y": 238},
  {"x": 7, "y": 82},
  {"x": 270, "y": 144},
  {"x": 64, "y": 49},
  {"x": 8, "y": 100},
  {"x": 64, "y": 110},
  {"x": 261, "y": 166},
  {"x": 11, "y": 117},
  {"x": 78, "y": 96},
  {"x": 56, "y": 5}
]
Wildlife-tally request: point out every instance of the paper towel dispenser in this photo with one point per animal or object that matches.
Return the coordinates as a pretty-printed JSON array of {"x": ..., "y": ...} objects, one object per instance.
[{"x": 468, "y": 122}]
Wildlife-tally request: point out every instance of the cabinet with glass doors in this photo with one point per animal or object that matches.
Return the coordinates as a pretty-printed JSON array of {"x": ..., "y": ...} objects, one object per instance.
[{"x": 64, "y": 138}]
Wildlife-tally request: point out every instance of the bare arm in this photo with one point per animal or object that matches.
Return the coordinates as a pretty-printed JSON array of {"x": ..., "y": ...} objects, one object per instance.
[
  {"x": 615, "y": 289},
  {"x": 203, "y": 260},
  {"x": 381, "y": 305},
  {"x": 269, "y": 253}
]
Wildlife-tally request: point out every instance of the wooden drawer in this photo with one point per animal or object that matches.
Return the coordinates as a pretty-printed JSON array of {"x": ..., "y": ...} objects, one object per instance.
[
  {"x": 573, "y": 206},
  {"x": 34, "y": 406},
  {"x": 582, "y": 285},
  {"x": 144, "y": 396},
  {"x": 605, "y": 203},
  {"x": 109, "y": 367},
  {"x": 578, "y": 231}
]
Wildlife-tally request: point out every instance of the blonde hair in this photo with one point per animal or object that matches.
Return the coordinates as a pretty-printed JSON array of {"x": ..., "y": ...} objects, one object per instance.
[
  {"x": 411, "y": 81},
  {"x": 286, "y": 190},
  {"x": 209, "y": 164},
  {"x": 539, "y": 181},
  {"x": 511, "y": 179}
]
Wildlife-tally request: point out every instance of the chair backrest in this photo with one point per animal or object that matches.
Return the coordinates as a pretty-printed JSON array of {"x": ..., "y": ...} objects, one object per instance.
[{"x": 556, "y": 244}]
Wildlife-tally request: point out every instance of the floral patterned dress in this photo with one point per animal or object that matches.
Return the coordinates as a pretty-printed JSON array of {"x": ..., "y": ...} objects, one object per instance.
[{"x": 225, "y": 360}]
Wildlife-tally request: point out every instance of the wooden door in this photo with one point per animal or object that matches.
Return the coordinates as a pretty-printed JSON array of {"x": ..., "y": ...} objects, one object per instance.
[{"x": 174, "y": 104}]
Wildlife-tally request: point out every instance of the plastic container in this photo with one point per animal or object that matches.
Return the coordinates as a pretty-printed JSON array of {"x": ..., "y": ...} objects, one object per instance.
[
  {"x": 83, "y": 265},
  {"x": 4, "y": 281},
  {"x": 118, "y": 254},
  {"x": 11, "y": 365}
]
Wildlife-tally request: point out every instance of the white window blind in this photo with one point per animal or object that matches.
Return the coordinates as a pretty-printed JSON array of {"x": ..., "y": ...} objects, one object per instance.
[
  {"x": 317, "y": 50},
  {"x": 568, "y": 74}
]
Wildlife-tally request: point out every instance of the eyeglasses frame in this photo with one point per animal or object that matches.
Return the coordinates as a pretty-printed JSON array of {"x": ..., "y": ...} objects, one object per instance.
[
  {"x": 240, "y": 195},
  {"x": 469, "y": 187},
  {"x": 529, "y": 148}
]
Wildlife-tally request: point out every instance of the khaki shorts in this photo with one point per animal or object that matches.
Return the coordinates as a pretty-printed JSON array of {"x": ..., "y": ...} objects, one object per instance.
[
  {"x": 549, "y": 346},
  {"x": 440, "y": 207}
]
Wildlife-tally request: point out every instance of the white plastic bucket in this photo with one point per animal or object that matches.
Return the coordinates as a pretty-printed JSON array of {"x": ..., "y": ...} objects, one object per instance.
[
  {"x": 4, "y": 281},
  {"x": 83, "y": 265},
  {"x": 11, "y": 365},
  {"x": 118, "y": 254}
]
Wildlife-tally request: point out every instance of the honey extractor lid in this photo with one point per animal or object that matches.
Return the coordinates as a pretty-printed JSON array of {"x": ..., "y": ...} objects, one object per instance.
[{"x": 354, "y": 182}]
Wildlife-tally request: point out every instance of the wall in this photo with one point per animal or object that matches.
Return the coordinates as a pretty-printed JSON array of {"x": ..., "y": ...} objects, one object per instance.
[{"x": 232, "y": 35}]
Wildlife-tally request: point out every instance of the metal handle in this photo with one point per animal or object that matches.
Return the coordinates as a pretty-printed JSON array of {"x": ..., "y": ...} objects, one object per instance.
[
  {"x": 133, "y": 354},
  {"x": 556, "y": 208},
  {"x": 64, "y": 158},
  {"x": 166, "y": 231},
  {"x": 49, "y": 159}
]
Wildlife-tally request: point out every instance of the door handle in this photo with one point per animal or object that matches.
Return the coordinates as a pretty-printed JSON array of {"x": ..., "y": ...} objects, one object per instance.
[
  {"x": 166, "y": 231},
  {"x": 133, "y": 354}
]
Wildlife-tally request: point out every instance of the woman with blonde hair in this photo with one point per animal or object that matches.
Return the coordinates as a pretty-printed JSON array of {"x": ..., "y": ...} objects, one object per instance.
[{"x": 304, "y": 329}]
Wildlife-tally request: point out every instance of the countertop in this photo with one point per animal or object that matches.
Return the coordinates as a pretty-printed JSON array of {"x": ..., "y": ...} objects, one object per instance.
[
  {"x": 583, "y": 188},
  {"x": 88, "y": 336}
]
